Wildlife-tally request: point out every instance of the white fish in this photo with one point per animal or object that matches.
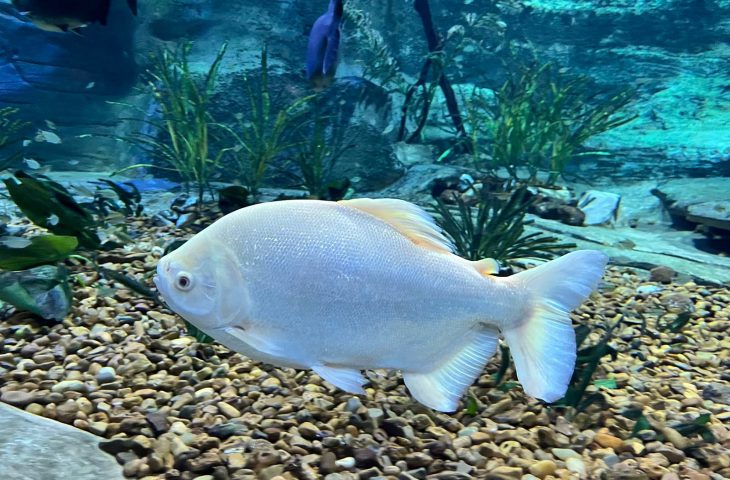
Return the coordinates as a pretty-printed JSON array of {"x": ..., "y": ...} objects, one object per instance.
[
  {"x": 46, "y": 136},
  {"x": 366, "y": 284},
  {"x": 32, "y": 163}
]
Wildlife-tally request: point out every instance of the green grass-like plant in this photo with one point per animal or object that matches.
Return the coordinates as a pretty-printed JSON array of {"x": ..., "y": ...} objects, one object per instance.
[
  {"x": 11, "y": 129},
  {"x": 541, "y": 119},
  {"x": 266, "y": 132},
  {"x": 185, "y": 130},
  {"x": 495, "y": 228},
  {"x": 312, "y": 167}
]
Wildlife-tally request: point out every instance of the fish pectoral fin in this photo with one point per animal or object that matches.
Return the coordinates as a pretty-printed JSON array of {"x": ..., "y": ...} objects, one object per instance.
[
  {"x": 346, "y": 379},
  {"x": 258, "y": 342},
  {"x": 408, "y": 219},
  {"x": 442, "y": 388}
]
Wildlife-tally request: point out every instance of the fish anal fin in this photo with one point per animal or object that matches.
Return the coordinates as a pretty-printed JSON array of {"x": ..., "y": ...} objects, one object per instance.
[
  {"x": 486, "y": 266},
  {"x": 346, "y": 379},
  {"x": 408, "y": 219},
  {"x": 441, "y": 389}
]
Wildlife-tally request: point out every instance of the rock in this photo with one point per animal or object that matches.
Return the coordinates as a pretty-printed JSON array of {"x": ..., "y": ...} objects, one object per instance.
[
  {"x": 608, "y": 441},
  {"x": 158, "y": 421},
  {"x": 18, "y": 398},
  {"x": 228, "y": 410},
  {"x": 543, "y": 468},
  {"x": 106, "y": 375},
  {"x": 346, "y": 463},
  {"x": 504, "y": 473},
  {"x": 69, "y": 386},
  {"x": 66, "y": 452},
  {"x": 565, "y": 453},
  {"x": 600, "y": 208},
  {"x": 662, "y": 274},
  {"x": 410, "y": 154},
  {"x": 365, "y": 457},
  {"x": 672, "y": 454},
  {"x": 66, "y": 412},
  {"x": 576, "y": 465},
  {"x": 328, "y": 463},
  {"x": 308, "y": 430},
  {"x": 553, "y": 210}
]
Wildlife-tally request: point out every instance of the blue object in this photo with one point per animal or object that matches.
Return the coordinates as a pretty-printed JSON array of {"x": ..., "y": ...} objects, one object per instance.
[{"x": 324, "y": 45}]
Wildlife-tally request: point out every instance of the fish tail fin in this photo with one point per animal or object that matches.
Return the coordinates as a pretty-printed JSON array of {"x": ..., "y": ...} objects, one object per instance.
[{"x": 543, "y": 345}]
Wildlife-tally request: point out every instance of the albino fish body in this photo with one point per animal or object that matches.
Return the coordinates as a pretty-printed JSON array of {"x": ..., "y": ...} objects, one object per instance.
[{"x": 369, "y": 284}]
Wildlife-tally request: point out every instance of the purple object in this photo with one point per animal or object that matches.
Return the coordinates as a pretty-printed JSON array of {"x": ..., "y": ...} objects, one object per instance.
[{"x": 323, "y": 45}]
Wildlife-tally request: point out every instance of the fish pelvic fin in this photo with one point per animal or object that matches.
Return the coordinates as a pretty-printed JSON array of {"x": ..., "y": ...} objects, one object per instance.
[
  {"x": 543, "y": 344},
  {"x": 408, "y": 219},
  {"x": 441, "y": 389},
  {"x": 347, "y": 379}
]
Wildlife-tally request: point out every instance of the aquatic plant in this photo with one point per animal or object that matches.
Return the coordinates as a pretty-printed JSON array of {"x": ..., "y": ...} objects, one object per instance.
[
  {"x": 434, "y": 68},
  {"x": 43, "y": 291},
  {"x": 495, "y": 228},
  {"x": 264, "y": 133},
  {"x": 540, "y": 120},
  {"x": 11, "y": 130},
  {"x": 18, "y": 253},
  {"x": 49, "y": 205},
  {"x": 315, "y": 160},
  {"x": 587, "y": 361},
  {"x": 376, "y": 57},
  {"x": 183, "y": 136}
]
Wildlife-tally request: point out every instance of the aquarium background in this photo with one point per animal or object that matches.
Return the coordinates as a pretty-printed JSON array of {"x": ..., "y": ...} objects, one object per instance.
[{"x": 650, "y": 187}]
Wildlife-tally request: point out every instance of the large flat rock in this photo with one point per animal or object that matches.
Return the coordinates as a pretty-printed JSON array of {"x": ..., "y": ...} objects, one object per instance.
[
  {"x": 36, "y": 448},
  {"x": 644, "y": 249}
]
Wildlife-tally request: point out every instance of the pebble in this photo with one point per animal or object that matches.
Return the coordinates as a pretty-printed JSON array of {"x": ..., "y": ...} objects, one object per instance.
[
  {"x": 608, "y": 441},
  {"x": 346, "y": 463},
  {"x": 505, "y": 473},
  {"x": 18, "y": 398},
  {"x": 576, "y": 465},
  {"x": 106, "y": 375},
  {"x": 228, "y": 410},
  {"x": 543, "y": 468},
  {"x": 565, "y": 453},
  {"x": 69, "y": 386}
]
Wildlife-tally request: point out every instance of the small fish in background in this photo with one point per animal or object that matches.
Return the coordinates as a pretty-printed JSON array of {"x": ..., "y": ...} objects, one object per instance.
[
  {"x": 67, "y": 15},
  {"x": 32, "y": 163},
  {"x": 324, "y": 45},
  {"x": 47, "y": 137},
  {"x": 338, "y": 287}
]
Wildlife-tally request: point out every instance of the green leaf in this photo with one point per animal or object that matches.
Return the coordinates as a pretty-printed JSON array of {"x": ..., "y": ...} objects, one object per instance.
[
  {"x": 44, "y": 291},
  {"x": 472, "y": 405},
  {"x": 507, "y": 386},
  {"x": 198, "y": 334},
  {"x": 605, "y": 383},
  {"x": 129, "y": 282},
  {"x": 641, "y": 424},
  {"x": 39, "y": 251},
  {"x": 49, "y": 205}
]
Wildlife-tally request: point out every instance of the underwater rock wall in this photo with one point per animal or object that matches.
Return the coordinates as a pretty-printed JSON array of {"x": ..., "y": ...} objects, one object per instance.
[
  {"x": 67, "y": 80},
  {"x": 672, "y": 52}
]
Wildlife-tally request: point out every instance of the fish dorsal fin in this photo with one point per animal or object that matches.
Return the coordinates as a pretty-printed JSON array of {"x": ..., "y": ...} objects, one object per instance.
[
  {"x": 408, "y": 219},
  {"x": 486, "y": 266}
]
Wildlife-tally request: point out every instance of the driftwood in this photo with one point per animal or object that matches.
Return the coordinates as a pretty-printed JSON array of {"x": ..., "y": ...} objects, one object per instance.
[{"x": 435, "y": 44}]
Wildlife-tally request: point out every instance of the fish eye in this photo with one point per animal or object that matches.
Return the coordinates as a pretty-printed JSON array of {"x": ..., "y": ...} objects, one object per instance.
[{"x": 184, "y": 281}]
